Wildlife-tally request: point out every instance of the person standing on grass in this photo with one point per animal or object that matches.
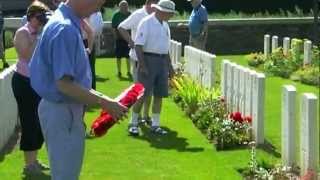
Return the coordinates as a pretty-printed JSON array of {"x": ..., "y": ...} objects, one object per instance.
[
  {"x": 95, "y": 21},
  {"x": 198, "y": 25},
  {"x": 60, "y": 74},
  {"x": 131, "y": 24},
  {"x": 121, "y": 46},
  {"x": 154, "y": 64},
  {"x": 27, "y": 99}
]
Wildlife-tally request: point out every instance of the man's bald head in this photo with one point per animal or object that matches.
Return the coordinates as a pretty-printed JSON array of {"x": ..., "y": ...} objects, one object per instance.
[{"x": 84, "y": 8}]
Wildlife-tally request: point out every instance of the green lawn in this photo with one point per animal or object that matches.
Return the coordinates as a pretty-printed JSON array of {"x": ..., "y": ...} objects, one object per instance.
[{"x": 183, "y": 154}]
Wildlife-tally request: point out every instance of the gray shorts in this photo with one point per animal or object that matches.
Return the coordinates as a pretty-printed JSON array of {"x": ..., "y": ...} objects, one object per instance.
[
  {"x": 64, "y": 134},
  {"x": 156, "y": 82}
]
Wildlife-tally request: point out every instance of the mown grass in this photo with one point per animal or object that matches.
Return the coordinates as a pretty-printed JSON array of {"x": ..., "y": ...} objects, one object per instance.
[{"x": 183, "y": 154}]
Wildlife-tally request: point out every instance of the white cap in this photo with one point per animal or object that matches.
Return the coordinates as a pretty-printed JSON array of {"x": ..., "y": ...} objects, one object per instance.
[{"x": 165, "y": 6}]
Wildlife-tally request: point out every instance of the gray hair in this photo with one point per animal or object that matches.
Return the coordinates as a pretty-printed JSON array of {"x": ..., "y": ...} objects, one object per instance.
[{"x": 123, "y": 2}]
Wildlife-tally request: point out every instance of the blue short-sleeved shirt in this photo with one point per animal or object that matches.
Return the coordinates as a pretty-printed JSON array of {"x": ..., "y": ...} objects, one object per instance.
[
  {"x": 198, "y": 18},
  {"x": 60, "y": 51}
]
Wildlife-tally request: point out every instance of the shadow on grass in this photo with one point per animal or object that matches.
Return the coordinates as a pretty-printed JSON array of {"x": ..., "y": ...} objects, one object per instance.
[
  {"x": 129, "y": 79},
  {"x": 101, "y": 79},
  {"x": 9, "y": 147},
  {"x": 168, "y": 141},
  {"x": 42, "y": 176},
  {"x": 269, "y": 148}
]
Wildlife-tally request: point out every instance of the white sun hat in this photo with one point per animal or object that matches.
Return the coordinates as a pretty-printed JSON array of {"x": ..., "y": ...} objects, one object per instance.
[{"x": 165, "y": 6}]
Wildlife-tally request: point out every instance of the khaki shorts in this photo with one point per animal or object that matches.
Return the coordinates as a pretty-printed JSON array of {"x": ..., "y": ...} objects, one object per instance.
[{"x": 156, "y": 82}]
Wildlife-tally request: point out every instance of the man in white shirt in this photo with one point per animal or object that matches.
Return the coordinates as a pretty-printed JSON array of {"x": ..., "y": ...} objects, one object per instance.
[
  {"x": 154, "y": 65},
  {"x": 96, "y": 23},
  {"x": 131, "y": 23}
]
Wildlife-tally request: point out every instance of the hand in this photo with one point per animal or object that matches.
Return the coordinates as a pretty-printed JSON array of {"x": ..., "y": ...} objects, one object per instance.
[
  {"x": 115, "y": 109},
  {"x": 142, "y": 68},
  {"x": 171, "y": 72},
  {"x": 131, "y": 44}
]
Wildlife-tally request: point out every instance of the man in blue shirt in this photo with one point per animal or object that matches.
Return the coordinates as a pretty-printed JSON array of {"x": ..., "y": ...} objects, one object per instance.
[
  {"x": 60, "y": 74},
  {"x": 198, "y": 25}
]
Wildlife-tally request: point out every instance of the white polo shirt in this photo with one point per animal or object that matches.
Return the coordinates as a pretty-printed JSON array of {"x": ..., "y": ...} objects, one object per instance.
[
  {"x": 131, "y": 23},
  {"x": 153, "y": 35}
]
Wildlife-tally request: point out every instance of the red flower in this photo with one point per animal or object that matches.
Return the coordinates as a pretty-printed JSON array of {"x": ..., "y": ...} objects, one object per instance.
[
  {"x": 236, "y": 116},
  {"x": 248, "y": 119},
  {"x": 105, "y": 121}
]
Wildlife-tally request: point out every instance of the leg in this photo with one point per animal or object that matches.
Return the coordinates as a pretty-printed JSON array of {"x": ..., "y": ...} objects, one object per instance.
[
  {"x": 128, "y": 68},
  {"x": 64, "y": 135},
  {"x": 146, "y": 109},
  {"x": 92, "y": 59},
  {"x": 119, "y": 66}
]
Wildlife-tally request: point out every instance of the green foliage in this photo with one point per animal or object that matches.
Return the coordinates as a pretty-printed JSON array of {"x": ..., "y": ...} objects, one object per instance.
[
  {"x": 281, "y": 65},
  {"x": 255, "y": 59},
  {"x": 227, "y": 133},
  {"x": 209, "y": 113},
  {"x": 308, "y": 75},
  {"x": 297, "y": 49}
]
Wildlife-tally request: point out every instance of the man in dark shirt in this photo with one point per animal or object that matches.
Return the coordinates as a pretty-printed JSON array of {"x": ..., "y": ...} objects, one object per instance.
[{"x": 122, "y": 48}]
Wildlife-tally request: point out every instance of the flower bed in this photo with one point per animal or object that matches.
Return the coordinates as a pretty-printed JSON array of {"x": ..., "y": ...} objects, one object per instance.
[
  {"x": 209, "y": 113},
  {"x": 289, "y": 65}
]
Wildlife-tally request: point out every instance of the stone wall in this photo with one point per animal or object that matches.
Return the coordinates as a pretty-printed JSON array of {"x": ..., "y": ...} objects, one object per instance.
[
  {"x": 229, "y": 36},
  {"x": 235, "y": 36}
]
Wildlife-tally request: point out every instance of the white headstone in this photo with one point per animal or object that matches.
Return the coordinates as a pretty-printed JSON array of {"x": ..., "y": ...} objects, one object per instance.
[
  {"x": 309, "y": 133},
  {"x": 224, "y": 79},
  {"x": 179, "y": 51},
  {"x": 266, "y": 45},
  {"x": 258, "y": 108},
  {"x": 248, "y": 98},
  {"x": 286, "y": 45},
  {"x": 236, "y": 86},
  {"x": 307, "y": 52},
  {"x": 243, "y": 88},
  {"x": 288, "y": 128},
  {"x": 207, "y": 69},
  {"x": 275, "y": 43},
  {"x": 230, "y": 92}
]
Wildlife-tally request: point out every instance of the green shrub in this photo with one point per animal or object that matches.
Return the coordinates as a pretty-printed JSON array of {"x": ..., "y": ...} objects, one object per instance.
[
  {"x": 255, "y": 59},
  {"x": 281, "y": 65},
  {"x": 207, "y": 111},
  {"x": 315, "y": 60},
  {"x": 297, "y": 49},
  {"x": 308, "y": 75}
]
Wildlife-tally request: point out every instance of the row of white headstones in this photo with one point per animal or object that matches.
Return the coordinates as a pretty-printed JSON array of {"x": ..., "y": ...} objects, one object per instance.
[
  {"x": 307, "y": 49},
  {"x": 309, "y": 130},
  {"x": 244, "y": 91}
]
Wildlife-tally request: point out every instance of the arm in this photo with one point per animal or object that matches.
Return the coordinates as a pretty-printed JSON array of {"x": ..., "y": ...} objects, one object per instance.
[
  {"x": 68, "y": 87},
  {"x": 126, "y": 36},
  {"x": 90, "y": 33},
  {"x": 139, "y": 52},
  {"x": 170, "y": 67},
  {"x": 24, "y": 45}
]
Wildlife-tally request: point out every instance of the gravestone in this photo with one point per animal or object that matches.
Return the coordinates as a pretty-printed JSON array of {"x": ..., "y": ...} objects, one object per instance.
[
  {"x": 286, "y": 45},
  {"x": 275, "y": 43},
  {"x": 307, "y": 54},
  {"x": 258, "y": 108},
  {"x": 224, "y": 79},
  {"x": 266, "y": 45},
  {"x": 309, "y": 137},
  {"x": 288, "y": 127}
]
